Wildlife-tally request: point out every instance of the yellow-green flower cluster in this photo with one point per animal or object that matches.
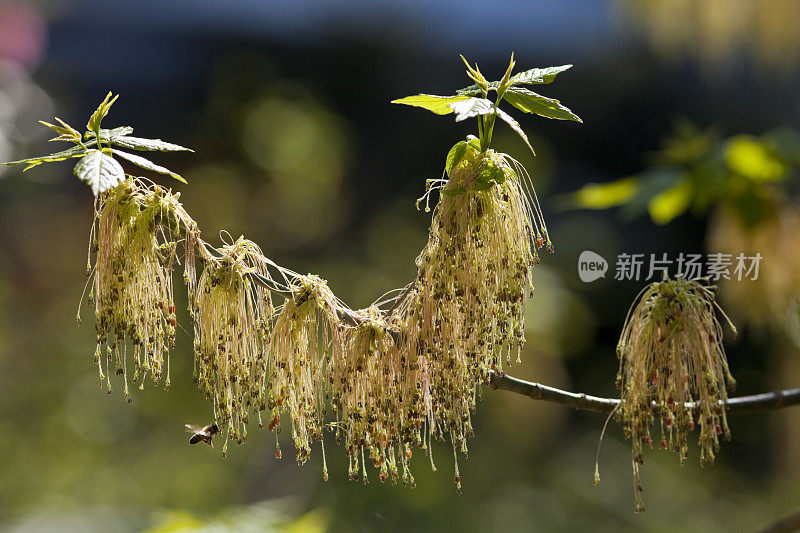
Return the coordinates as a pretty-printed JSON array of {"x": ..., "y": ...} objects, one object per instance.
[
  {"x": 466, "y": 314},
  {"x": 305, "y": 328},
  {"x": 132, "y": 284},
  {"x": 377, "y": 399},
  {"x": 232, "y": 318},
  {"x": 673, "y": 372}
]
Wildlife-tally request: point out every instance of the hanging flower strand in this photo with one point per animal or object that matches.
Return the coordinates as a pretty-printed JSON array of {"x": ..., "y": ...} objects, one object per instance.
[
  {"x": 232, "y": 322},
  {"x": 673, "y": 371},
  {"x": 132, "y": 279}
]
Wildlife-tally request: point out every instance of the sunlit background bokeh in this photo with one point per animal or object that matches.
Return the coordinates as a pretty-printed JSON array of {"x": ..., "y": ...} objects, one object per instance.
[{"x": 287, "y": 106}]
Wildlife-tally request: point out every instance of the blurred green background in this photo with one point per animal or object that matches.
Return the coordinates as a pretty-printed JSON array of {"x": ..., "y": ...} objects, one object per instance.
[{"x": 298, "y": 148}]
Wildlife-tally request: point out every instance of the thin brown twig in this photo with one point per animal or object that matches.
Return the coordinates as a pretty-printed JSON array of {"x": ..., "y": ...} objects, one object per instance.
[{"x": 583, "y": 402}]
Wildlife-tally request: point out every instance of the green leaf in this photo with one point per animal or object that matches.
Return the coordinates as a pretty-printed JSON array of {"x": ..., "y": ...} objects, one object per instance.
[
  {"x": 57, "y": 129},
  {"x": 69, "y": 128},
  {"x": 100, "y": 113},
  {"x": 504, "y": 83},
  {"x": 110, "y": 134},
  {"x": 508, "y": 119},
  {"x": 532, "y": 76},
  {"x": 75, "y": 151},
  {"x": 437, "y": 104},
  {"x": 651, "y": 183},
  {"x": 65, "y": 131},
  {"x": 471, "y": 107},
  {"x": 474, "y": 142},
  {"x": 147, "y": 145},
  {"x": 538, "y": 75},
  {"x": 100, "y": 171},
  {"x": 488, "y": 177},
  {"x": 604, "y": 195},
  {"x": 667, "y": 205},
  {"x": 748, "y": 157},
  {"x": 497, "y": 175},
  {"x": 147, "y": 164},
  {"x": 455, "y": 191},
  {"x": 475, "y": 90},
  {"x": 455, "y": 155},
  {"x": 121, "y": 137},
  {"x": 530, "y": 102},
  {"x": 475, "y": 74},
  {"x": 66, "y": 137}
]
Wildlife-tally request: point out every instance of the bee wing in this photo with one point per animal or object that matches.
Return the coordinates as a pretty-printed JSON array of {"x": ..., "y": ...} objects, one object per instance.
[{"x": 193, "y": 428}]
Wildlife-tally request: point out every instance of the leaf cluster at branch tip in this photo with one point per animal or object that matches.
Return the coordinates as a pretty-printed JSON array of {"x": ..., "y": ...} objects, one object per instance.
[
  {"x": 96, "y": 148},
  {"x": 473, "y": 101}
]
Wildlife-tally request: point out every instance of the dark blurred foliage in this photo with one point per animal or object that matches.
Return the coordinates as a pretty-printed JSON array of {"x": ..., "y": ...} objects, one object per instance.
[
  {"x": 286, "y": 104},
  {"x": 696, "y": 171}
]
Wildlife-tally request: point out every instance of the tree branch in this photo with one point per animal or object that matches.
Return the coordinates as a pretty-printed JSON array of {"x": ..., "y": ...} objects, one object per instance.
[
  {"x": 583, "y": 402},
  {"x": 785, "y": 525}
]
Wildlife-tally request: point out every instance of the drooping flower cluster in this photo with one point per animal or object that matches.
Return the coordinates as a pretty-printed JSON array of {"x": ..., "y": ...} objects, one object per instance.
[
  {"x": 376, "y": 398},
  {"x": 466, "y": 314},
  {"x": 232, "y": 317},
  {"x": 132, "y": 278},
  {"x": 303, "y": 332},
  {"x": 673, "y": 371}
]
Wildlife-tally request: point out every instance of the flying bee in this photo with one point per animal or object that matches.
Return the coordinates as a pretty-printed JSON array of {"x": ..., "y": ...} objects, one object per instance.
[{"x": 202, "y": 433}]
